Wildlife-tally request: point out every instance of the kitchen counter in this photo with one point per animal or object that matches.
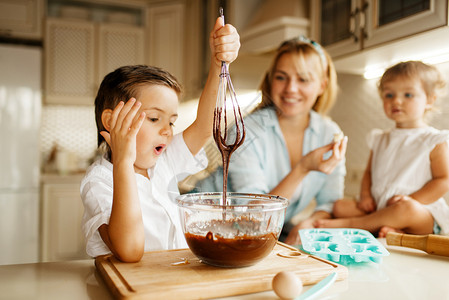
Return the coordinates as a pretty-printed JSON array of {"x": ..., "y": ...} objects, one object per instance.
[{"x": 404, "y": 274}]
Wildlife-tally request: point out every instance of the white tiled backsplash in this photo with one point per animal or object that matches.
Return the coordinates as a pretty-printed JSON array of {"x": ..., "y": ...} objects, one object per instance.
[{"x": 72, "y": 128}]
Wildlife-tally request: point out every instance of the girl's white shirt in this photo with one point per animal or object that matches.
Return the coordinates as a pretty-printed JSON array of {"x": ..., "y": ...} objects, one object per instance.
[
  {"x": 162, "y": 224},
  {"x": 401, "y": 165}
]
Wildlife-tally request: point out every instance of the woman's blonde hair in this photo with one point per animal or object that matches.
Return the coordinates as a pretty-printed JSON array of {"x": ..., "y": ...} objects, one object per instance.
[{"x": 303, "y": 49}]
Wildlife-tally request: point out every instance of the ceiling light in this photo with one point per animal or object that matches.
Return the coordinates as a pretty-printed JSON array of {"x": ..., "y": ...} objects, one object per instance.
[{"x": 373, "y": 73}]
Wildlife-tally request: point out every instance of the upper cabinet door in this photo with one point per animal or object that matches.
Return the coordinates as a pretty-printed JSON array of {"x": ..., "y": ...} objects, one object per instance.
[
  {"x": 344, "y": 27},
  {"x": 21, "y": 18},
  {"x": 69, "y": 61},
  {"x": 80, "y": 53},
  {"x": 336, "y": 25},
  {"x": 388, "y": 20},
  {"x": 119, "y": 45},
  {"x": 166, "y": 38}
]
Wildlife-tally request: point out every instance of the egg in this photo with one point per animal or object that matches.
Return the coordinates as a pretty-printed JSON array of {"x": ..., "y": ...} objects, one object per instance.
[{"x": 287, "y": 285}]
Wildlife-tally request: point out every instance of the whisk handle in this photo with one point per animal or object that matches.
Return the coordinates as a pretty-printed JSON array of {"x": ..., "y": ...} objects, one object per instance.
[{"x": 220, "y": 11}]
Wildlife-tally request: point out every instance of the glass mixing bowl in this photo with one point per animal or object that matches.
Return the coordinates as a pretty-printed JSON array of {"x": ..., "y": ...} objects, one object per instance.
[{"x": 239, "y": 234}]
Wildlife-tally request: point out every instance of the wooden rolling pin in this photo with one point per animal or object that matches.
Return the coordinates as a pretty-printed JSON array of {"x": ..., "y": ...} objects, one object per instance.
[{"x": 431, "y": 243}]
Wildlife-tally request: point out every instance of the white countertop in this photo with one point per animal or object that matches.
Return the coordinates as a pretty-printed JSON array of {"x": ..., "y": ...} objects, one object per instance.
[{"x": 404, "y": 274}]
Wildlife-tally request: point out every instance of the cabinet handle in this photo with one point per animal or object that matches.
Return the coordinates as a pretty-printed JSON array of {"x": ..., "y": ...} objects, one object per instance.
[
  {"x": 352, "y": 24},
  {"x": 363, "y": 20}
]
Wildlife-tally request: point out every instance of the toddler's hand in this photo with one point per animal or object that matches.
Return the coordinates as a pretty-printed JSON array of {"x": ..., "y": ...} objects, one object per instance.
[
  {"x": 124, "y": 126},
  {"x": 367, "y": 204},
  {"x": 224, "y": 42}
]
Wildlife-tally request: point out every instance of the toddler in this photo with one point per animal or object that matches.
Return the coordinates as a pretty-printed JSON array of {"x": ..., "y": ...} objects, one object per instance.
[
  {"x": 408, "y": 168},
  {"x": 129, "y": 193}
]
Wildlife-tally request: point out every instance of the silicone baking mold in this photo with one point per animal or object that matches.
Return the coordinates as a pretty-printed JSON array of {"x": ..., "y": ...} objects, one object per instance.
[{"x": 343, "y": 245}]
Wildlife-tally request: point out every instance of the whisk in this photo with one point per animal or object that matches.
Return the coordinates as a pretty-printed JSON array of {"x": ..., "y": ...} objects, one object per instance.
[{"x": 227, "y": 143}]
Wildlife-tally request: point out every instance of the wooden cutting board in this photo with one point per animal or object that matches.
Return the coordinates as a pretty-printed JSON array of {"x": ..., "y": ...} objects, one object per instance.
[{"x": 178, "y": 274}]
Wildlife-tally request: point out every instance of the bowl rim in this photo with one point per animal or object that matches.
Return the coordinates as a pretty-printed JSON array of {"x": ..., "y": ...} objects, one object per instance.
[{"x": 276, "y": 202}]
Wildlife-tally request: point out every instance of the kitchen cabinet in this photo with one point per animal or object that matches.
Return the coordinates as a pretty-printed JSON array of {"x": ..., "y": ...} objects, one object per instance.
[
  {"x": 21, "y": 19},
  {"x": 177, "y": 41},
  {"x": 166, "y": 38},
  {"x": 61, "y": 215},
  {"x": 347, "y": 26},
  {"x": 69, "y": 62},
  {"x": 79, "y": 53},
  {"x": 119, "y": 45}
]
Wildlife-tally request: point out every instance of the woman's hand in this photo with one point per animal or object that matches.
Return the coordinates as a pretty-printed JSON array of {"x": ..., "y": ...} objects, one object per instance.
[
  {"x": 314, "y": 161},
  {"x": 123, "y": 126}
]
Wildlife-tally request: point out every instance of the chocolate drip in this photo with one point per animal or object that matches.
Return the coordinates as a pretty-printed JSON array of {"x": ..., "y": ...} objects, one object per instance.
[{"x": 226, "y": 149}]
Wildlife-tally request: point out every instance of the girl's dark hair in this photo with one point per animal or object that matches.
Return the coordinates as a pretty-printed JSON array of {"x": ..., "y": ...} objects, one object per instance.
[{"x": 123, "y": 84}]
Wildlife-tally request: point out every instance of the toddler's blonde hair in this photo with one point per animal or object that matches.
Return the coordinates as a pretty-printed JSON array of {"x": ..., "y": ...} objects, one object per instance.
[{"x": 431, "y": 79}]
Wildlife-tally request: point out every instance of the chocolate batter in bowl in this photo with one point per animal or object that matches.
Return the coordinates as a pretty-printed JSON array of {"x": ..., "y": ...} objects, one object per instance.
[{"x": 238, "y": 234}]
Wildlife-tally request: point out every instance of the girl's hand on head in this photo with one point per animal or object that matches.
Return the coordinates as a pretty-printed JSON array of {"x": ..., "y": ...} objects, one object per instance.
[
  {"x": 224, "y": 42},
  {"x": 124, "y": 126},
  {"x": 314, "y": 161}
]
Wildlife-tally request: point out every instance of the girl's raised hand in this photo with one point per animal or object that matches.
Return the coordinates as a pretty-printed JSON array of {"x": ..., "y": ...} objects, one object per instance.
[
  {"x": 124, "y": 124},
  {"x": 224, "y": 42}
]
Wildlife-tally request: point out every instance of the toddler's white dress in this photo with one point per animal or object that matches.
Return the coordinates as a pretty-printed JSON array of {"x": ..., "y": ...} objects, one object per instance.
[{"x": 401, "y": 165}]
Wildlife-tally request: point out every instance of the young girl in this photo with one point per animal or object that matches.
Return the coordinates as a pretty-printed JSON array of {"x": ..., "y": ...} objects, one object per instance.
[
  {"x": 129, "y": 193},
  {"x": 408, "y": 169},
  {"x": 287, "y": 150}
]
